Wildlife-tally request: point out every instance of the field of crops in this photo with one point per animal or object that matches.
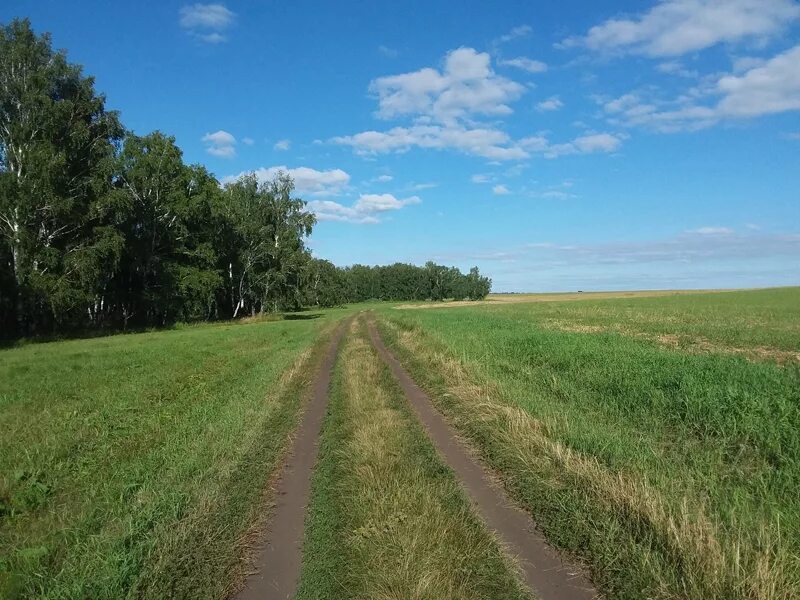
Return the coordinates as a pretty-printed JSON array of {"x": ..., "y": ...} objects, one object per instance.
[{"x": 657, "y": 438}]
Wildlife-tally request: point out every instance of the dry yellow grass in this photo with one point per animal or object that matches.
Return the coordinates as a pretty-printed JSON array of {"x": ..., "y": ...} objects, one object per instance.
[
  {"x": 407, "y": 531},
  {"x": 496, "y": 299}
]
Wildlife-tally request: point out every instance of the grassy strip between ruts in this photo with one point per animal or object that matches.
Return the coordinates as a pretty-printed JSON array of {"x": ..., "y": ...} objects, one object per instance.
[
  {"x": 134, "y": 465},
  {"x": 680, "y": 511},
  {"x": 387, "y": 518}
]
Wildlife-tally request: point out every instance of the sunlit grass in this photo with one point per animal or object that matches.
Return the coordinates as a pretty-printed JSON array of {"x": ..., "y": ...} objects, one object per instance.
[
  {"x": 131, "y": 465},
  {"x": 672, "y": 473}
]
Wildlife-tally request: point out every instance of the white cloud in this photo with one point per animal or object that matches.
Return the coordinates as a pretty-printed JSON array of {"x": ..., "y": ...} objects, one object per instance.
[
  {"x": 479, "y": 178},
  {"x": 675, "y": 27},
  {"x": 384, "y": 178},
  {"x": 282, "y": 145},
  {"x": 387, "y": 52},
  {"x": 306, "y": 180},
  {"x": 444, "y": 108},
  {"x": 516, "y": 32},
  {"x": 551, "y": 104},
  {"x": 248, "y": 141},
  {"x": 206, "y": 22},
  {"x": 674, "y": 67},
  {"x": 745, "y": 63},
  {"x": 500, "y": 190},
  {"x": 526, "y": 64},
  {"x": 220, "y": 143},
  {"x": 769, "y": 88},
  {"x": 212, "y": 38},
  {"x": 585, "y": 144},
  {"x": 382, "y": 202},
  {"x": 711, "y": 231},
  {"x": 367, "y": 209},
  {"x": 486, "y": 142},
  {"x": 423, "y": 186},
  {"x": 772, "y": 86},
  {"x": 466, "y": 86}
]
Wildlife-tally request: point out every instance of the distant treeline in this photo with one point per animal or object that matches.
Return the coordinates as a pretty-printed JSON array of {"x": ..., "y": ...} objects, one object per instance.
[
  {"x": 102, "y": 228},
  {"x": 328, "y": 285}
]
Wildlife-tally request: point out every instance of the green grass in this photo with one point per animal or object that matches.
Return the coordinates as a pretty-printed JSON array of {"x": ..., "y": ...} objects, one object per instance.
[
  {"x": 741, "y": 319},
  {"x": 131, "y": 465},
  {"x": 672, "y": 474},
  {"x": 388, "y": 519}
]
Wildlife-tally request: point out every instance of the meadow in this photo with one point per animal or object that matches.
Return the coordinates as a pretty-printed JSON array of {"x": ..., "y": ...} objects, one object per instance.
[
  {"x": 133, "y": 465},
  {"x": 671, "y": 469},
  {"x": 652, "y": 437}
]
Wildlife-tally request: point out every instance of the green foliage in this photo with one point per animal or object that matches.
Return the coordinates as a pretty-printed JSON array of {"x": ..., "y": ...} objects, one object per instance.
[
  {"x": 104, "y": 229},
  {"x": 402, "y": 281}
]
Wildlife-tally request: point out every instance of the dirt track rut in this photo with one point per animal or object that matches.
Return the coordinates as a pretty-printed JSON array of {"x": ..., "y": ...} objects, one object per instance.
[
  {"x": 277, "y": 564},
  {"x": 544, "y": 569}
]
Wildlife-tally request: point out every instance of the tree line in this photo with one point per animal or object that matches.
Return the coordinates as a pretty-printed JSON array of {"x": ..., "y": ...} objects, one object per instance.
[{"x": 101, "y": 228}]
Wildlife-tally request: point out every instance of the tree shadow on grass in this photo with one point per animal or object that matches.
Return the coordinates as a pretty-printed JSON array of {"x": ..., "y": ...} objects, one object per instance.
[{"x": 301, "y": 316}]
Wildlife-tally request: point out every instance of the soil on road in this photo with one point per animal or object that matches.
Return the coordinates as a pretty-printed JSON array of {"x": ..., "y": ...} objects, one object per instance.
[
  {"x": 548, "y": 573},
  {"x": 277, "y": 563}
]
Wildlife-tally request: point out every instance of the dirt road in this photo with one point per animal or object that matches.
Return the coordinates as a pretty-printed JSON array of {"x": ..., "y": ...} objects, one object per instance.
[
  {"x": 277, "y": 564},
  {"x": 545, "y": 571}
]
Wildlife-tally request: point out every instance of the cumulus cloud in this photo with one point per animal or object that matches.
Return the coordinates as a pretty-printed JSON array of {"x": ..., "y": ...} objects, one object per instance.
[
  {"x": 367, "y": 209},
  {"x": 282, "y": 145},
  {"x": 526, "y": 64},
  {"x": 445, "y": 108},
  {"x": 484, "y": 141},
  {"x": 771, "y": 86},
  {"x": 551, "y": 104},
  {"x": 465, "y": 86},
  {"x": 206, "y": 22},
  {"x": 500, "y": 190},
  {"x": 306, "y": 180},
  {"x": 675, "y": 27},
  {"x": 220, "y": 143}
]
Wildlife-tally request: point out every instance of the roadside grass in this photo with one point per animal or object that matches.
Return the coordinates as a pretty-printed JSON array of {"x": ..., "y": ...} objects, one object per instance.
[
  {"x": 387, "y": 518},
  {"x": 671, "y": 474},
  {"x": 133, "y": 465}
]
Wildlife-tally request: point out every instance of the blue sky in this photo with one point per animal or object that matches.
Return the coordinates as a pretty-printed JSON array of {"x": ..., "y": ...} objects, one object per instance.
[{"x": 557, "y": 145}]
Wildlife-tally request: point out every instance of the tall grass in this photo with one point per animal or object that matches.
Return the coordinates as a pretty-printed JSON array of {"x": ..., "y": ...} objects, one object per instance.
[
  {"x": 672, "y": 474},
  {"x": 131, "y": 466},
  {"x": 387, "y": 519}
]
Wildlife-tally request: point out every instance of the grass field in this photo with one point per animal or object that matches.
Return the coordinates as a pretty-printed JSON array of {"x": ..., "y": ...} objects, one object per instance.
[
  {"x": 131, "y": 466},
  {"x": 654, "y": 437},
  {"x": 388, "y": 520},
  {"x": 672, "y": 473}
]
